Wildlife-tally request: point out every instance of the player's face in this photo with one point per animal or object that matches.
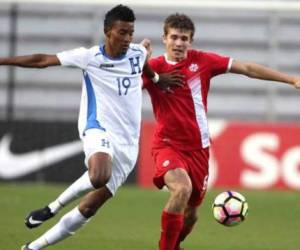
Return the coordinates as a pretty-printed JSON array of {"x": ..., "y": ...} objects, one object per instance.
[
  {"x": 177, "y": 43},
  {"x": 118, "y": 38}
]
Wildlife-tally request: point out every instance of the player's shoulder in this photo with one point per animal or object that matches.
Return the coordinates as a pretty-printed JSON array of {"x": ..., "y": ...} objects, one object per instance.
[
  {"x": 158, "y": 60},
  {"x": 86, "y": 51},
  {"x": 195, "y": 53},
  {"x": 203, "y": 56},
  {"x": 137, "y": 48},
  {"x": 95, "y": 50}
]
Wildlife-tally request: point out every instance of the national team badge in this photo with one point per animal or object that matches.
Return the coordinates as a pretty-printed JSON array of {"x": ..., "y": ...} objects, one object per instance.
[
  {"x": 193, "y": 67},
  {"x": 166, "y": 163}
]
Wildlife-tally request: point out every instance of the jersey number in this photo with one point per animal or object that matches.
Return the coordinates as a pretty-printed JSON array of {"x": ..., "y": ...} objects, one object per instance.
[{"x": 123, "y": 85}]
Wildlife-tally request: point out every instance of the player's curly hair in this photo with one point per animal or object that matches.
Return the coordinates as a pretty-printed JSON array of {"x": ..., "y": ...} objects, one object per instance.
[
  {"x": 118, "y": 13},
  {"x": 179, "y": 21}
]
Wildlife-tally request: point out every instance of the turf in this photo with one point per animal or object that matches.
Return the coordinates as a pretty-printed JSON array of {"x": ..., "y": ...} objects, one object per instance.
[{"x": 132, "y": 220}]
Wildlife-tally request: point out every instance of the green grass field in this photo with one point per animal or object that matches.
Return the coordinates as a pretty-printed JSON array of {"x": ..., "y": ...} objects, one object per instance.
[{"x": 132, "y": 221}]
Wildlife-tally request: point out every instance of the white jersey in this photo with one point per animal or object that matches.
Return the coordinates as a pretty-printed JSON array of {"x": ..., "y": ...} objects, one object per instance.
[{"x": 112, "y": 91}]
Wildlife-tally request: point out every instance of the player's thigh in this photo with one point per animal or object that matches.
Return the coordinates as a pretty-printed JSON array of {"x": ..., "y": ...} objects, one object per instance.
[
  {"x": 125, "y": 157},
  {"x": 96, "y": 141},
  {"x": 178, "y": 180},
  {"x": 166, "y": 159},
  {"x": 198, "y": 170}
]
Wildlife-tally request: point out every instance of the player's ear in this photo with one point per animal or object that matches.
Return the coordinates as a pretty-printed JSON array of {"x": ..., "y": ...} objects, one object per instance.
[
  {"x": 191, "y": 37},
  {"x": 107, "y": 31},
  {"x": 164, "y": 38}
]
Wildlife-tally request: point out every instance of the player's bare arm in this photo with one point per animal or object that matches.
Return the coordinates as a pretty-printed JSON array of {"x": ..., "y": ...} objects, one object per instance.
[
  {"x": 31, "y": 61},
  {"x": 254, "y": 70}
]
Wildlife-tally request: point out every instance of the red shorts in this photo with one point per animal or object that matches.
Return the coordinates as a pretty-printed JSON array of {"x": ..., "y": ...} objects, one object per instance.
[{"x": 194, "y": 162}]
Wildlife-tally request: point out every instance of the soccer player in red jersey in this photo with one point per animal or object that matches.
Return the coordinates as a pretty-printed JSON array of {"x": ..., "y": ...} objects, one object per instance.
[{"x": 181, "y": 141}]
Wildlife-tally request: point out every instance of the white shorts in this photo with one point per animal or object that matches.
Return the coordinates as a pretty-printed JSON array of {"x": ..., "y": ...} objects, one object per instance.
[{"x": 123, "y": 156}]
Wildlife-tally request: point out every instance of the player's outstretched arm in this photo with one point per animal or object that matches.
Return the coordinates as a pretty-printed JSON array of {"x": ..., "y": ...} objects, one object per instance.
[
  {"x": 31, "y": 61},
  {"x": 254, "y": 70}
]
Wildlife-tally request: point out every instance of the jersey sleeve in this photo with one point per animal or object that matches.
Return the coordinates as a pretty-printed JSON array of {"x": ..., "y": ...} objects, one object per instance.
[
  {"x": 144, "y": 50},
  {"x": 219, "y": 64},
  {"x": 75, "y": 58},
  {"x": 139, "y": 47}
]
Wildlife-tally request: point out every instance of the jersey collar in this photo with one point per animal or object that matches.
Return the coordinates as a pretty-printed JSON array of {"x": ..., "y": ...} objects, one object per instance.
[
  {"x": 168, "y": 61},
  {"x": 102, "y": 50}
]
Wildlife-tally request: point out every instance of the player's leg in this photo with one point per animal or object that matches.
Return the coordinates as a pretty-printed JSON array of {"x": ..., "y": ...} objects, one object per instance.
[
  {"x": 198, "y": 173},
  {"x": 123, "y": 163},
  {"x": 190, "y": 219},
  {"x": 171, "y": 171},
  {"x": 73, "y": 220},
  {"x": 98, "y": 174},
  {"x": 172, "y": 220},
  {"x": 98, "y": 159}
]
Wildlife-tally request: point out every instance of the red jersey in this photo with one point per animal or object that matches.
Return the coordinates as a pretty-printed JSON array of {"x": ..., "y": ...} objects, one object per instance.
[{"x": 182, "y": 115}]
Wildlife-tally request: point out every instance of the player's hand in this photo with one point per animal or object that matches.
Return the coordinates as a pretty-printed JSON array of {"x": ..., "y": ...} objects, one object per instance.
[
  {"x": 147, "y": 44},
  {"x": 169, "y": 81},
  {"x": 297, "y": 82}
]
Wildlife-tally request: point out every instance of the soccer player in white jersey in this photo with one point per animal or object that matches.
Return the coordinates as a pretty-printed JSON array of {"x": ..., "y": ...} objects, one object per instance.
[{"x": 109, "y": 121}]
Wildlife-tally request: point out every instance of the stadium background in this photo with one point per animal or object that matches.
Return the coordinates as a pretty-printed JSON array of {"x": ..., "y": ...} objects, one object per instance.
[
  {"x": 255, "y": 125},
  {"x": 38, "y": 108}
]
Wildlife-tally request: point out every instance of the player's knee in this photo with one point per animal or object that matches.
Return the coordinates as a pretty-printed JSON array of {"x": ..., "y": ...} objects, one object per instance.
[
  {"x": 88, "y": 212},
  {"x": 100, "y": 175},
  {"x": 100, "y": 168},
  {"x": 100, "y": 179}
]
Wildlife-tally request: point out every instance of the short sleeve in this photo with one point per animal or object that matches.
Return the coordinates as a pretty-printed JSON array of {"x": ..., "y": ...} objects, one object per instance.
[
  {"x": 144, "y": 50},
  {"x": 75, "y": 58},
  {"x": 219, "y": 64},
  {"x": 139, "y": 47}
]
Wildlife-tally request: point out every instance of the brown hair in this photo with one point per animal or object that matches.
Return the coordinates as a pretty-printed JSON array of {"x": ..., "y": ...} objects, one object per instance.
[{"x": 179, "y": 21}]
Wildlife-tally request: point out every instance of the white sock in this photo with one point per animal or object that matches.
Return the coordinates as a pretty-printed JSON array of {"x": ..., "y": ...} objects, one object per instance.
[
  {"x": 38, "y": 244},
  {"x": 55, "y": 206},
  {"x": 66, "y": 227},
  {"x": 80, "y": 187}
]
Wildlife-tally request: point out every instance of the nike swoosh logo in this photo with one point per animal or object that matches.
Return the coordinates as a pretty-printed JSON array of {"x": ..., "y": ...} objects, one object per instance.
[
  {"x": 17, "y": 165},
  {"x": 34, "y": 222}
]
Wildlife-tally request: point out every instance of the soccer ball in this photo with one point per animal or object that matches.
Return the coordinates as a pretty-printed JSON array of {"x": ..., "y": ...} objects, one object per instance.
[{"x": 230, "y": 208}]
